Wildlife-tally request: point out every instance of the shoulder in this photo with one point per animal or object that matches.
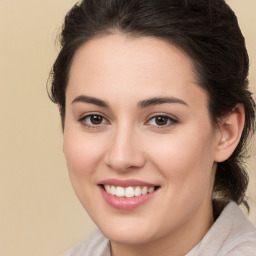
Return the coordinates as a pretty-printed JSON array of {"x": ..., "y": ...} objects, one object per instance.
[
  {"x": 232, "y": 234},
  {"x": 242, "y": 237},
  {"x": 96, "y": 244}
]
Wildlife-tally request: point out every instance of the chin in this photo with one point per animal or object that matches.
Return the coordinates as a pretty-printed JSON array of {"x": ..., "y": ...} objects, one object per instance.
[
  {"x": 129, "y": 233},
  {"x": 124, "y": 237}
]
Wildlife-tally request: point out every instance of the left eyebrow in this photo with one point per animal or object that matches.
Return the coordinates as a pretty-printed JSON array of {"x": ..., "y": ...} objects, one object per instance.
[{"x": 160, "y": 100}]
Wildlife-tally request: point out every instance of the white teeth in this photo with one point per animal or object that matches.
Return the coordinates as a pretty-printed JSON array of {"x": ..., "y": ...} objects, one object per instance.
[
  {"x": 137, "y": 191},
  {"x": 119, "y": 192},
  {"x": 151, "y": 189},
  {"x": 128, "y": 191},
  {"x": 144, "y": 191},
  {"x": 108, "y": 188},
  {"x": 113, "y": 190}
]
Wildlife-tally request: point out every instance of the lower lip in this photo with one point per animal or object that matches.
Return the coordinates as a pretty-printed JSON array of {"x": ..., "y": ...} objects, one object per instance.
[{"x": 125, "y": 203}]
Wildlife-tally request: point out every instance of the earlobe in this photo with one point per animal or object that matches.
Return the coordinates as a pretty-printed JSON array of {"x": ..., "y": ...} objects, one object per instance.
[{"x": 230, "y": 131}]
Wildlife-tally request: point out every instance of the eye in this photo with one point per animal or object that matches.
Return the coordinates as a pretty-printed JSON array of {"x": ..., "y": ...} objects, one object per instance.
[
  {"x": 93, "y": 120},
  {"x": 162, "y": 120}
]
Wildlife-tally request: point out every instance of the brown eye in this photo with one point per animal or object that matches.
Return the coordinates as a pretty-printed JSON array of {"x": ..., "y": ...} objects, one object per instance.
[
  {"x": 93, "y": 120},
  {"x": 162, "y": 120}
]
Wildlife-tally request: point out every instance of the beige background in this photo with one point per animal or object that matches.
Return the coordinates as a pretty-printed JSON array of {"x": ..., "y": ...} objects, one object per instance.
[{"x": 39, "y": 213}]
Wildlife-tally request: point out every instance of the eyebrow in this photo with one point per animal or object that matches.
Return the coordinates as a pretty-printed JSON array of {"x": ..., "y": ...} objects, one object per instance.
[
  {"x": 91, "y": 100},
  {"x": 160, "y": 100},
  {"x": 142, "y": 104}
]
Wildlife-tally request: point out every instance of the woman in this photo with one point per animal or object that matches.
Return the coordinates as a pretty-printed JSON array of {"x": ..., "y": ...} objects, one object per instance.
[{"x": 156, "y": 114}]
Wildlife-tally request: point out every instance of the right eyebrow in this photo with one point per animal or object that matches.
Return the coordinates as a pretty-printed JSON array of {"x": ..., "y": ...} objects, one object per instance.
[{"x": 91, "y": 100}]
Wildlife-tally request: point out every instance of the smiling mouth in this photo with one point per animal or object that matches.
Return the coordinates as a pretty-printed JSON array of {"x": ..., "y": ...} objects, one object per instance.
[{"x": 130, "y": 191}]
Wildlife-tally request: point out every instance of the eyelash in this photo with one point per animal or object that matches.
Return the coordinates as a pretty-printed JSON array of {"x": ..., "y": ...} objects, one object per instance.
[
  {"x": 93, "y": 126},
  {"x": 170, "y": 121}
]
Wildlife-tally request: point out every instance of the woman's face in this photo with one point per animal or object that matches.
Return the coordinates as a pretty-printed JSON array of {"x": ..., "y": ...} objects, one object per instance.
[{"x": 137, "y": 122}]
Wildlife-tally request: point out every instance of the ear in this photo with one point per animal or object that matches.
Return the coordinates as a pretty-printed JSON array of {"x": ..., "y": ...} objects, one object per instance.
[{"x": 230, "y": 131}]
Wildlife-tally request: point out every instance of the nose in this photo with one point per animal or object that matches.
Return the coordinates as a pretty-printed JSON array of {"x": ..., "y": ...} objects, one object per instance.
[{"x": 124, "y": 152}]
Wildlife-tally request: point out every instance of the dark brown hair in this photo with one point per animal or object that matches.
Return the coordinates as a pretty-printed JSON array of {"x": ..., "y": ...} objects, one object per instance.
[{"x": 206, "y": 30}]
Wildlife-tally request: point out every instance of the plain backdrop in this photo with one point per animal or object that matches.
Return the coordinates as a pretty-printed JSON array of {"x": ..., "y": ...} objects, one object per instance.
[{"x": 39, "y": 213}]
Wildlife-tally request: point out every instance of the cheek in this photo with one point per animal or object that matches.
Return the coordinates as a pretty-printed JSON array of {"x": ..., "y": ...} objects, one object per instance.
[
  {"x": 186, "y": 159},
  {"x": 186, "y": 166},
  {"x": 82, "y": 154}
]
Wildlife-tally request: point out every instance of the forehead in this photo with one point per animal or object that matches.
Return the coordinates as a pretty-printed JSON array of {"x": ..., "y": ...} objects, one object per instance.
[
  {"x": 145, "y": 66},
  {"x": 131, "y": 53}
]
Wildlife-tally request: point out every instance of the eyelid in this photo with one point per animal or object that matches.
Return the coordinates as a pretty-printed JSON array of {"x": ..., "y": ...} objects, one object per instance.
[
  {"x": 172, "y": 119},
  {"x": 84, "y": 116}
]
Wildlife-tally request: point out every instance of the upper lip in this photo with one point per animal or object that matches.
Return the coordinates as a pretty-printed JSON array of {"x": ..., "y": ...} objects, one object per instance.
[{"x": 126, "y": 183}]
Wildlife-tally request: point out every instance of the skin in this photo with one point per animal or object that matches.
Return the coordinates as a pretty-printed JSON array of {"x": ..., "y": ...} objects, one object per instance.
[{"x": 179, "y": 156}]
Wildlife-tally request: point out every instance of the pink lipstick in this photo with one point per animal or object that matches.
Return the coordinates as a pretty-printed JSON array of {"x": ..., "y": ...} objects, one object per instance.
[{"x": 127, "y": 194}]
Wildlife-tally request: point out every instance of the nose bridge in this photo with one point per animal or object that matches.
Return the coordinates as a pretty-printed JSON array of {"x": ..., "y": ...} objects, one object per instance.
[{"x": 124, "y": 151}]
